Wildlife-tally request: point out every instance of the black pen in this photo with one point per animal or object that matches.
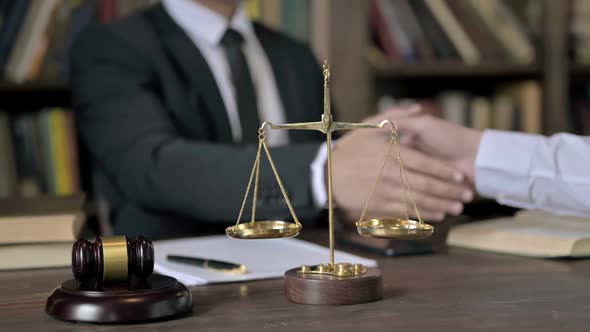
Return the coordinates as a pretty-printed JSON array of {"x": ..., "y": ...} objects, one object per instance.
[{"x": 221, "y": 266}]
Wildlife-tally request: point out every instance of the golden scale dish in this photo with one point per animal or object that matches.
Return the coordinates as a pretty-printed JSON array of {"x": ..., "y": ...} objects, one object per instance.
[{"x": 391, "y": 228}]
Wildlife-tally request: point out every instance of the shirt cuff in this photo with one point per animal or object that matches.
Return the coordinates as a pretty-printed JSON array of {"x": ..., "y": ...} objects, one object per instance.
[
  {"x": 318, "y": 181},
  {"x": 502, "y": 166}
]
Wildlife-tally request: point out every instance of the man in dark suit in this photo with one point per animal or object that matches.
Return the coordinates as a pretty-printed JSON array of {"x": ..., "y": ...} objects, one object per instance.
[{"x": 168, "y": 102}]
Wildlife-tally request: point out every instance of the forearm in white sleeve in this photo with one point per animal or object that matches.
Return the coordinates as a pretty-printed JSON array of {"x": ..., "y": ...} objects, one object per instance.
[
  {"x": 318, "y": 182},
  {"x": 535, "y": 172}
]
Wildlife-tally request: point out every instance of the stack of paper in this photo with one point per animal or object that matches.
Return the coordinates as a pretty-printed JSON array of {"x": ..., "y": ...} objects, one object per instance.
[{"x": 263, "y": 259}]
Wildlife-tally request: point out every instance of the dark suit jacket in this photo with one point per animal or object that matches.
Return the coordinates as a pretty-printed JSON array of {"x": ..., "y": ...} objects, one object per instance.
[{"x": 151, "y": 116}]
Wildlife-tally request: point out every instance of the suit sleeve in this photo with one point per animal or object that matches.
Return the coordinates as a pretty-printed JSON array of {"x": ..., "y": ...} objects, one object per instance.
[{"x": 130, "y": 134}]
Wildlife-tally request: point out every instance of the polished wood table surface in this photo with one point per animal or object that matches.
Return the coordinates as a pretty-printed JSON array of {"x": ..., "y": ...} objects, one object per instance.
[{"x": 455, "y": 290}]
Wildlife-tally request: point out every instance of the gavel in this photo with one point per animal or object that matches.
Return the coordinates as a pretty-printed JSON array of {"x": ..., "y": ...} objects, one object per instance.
[{"x": 113, "y": 258}]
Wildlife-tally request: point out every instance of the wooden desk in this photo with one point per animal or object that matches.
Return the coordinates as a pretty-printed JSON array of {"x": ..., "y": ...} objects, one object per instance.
[{"x": 453, "y": 291}]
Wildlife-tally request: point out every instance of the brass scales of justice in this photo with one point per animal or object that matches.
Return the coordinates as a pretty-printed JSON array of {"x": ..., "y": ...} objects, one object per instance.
[{"x": 331, "y": 283}]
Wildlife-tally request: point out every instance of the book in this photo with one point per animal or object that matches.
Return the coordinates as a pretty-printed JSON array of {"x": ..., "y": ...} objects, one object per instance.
[
  {"x": 504, "y": 113},
  {"x": 454, "y": 31},
  {"x": 35, "y": 255},
  {"x": 56, "y": 35},
  {"x": 41, "y": 219},
  {"x": 28, "y": 156},
  {"x": 481, "y": 113},
  {"x": 384, "y": 36},
  {"x": 441, "y": 44},
  {"x": 270, "y": 13},
  {"x": 527, "y": 95},
  {"x": 15, "y": 12},
  {"x": 397, "y": 31},
  {"x": 529, "y": 233},
  {"x": 30, "y": 37},
  {"x": 295, "y": 19},
  {"x": 454, "y": 107},
  {"x": 415, "y": 32},
  {"x": 264, "y": 259},
  {"x": 489, "y": 46},
  {"x": 60, "y": 151},
  {"x": 580, "y": 30},
  {"x": 507, "y": 29},
  {"x": 7, "y": 162},
  {"x": 252, "y": 8}
]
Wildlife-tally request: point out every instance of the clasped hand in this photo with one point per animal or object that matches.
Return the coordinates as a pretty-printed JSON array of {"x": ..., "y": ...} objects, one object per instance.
[{"x": 438, "y": 157}]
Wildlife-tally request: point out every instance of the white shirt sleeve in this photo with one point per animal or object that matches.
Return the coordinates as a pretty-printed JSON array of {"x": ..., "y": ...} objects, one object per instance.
[
  {"x": 318, "y": 181},
  {"x": 535, "y": 172}
]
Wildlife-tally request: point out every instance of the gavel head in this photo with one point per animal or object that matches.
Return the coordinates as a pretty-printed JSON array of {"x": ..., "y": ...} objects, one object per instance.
[{"x": 114, "y": 258}]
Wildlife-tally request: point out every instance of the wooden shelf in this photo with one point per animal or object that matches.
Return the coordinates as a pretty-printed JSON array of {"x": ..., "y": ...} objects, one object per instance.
[
  {"x": 577, "y": 69},
  {"x": 40, "y": 86},
  {"x": 33, "y": 96},
  {"x": 414, "y": 70}
]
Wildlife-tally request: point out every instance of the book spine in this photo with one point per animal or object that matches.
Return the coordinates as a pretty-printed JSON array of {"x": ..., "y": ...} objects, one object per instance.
[
  {"x": 23, "y": 136},
  {"x": 454, "y": 31},
  {"x": 7, "y": 162},
  {"x": 295, "y": 15},
  {"x": 383, "y": 33},
  {"x": 59, "y": 147},
  {"x": 439, "y": 41},
  {"x": 73, "y": 171}
]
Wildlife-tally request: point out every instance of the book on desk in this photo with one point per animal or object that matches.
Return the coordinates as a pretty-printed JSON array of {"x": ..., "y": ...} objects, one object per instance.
[
  {"x": 39, "y": 232},
  {"x": 529, "y": 233}
]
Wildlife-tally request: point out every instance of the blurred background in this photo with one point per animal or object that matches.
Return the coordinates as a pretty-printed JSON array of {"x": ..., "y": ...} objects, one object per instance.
[{"x": 506, "y": 64}]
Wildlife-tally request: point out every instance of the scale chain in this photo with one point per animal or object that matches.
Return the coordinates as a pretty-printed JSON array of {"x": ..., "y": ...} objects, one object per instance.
[
  {"x": 283, "y": 191},
  {"x": 381, "y": 168},
  {"x": 256, "y": 162},
  {"x": 401, "y": 176}
]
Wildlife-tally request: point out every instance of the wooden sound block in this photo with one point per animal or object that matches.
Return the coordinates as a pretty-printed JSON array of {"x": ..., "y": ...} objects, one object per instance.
[
  {"x": 331, "y": 290},
  {"x": 157, "y": 297}
]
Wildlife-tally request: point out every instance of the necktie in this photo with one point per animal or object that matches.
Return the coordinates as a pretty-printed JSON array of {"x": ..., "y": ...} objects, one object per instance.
[{"x": 232, "y": 42}]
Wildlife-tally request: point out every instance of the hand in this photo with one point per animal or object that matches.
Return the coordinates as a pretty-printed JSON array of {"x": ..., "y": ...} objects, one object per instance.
[
  {"x": 441, "y": 139},
  {"x": 439, "y": 189}
]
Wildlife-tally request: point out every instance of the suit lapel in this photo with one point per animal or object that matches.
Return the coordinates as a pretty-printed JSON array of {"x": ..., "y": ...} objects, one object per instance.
[{"x": 196, "y": 71}]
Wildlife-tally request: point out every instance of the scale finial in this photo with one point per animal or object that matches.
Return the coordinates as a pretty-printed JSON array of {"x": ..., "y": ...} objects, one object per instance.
[
  {"x": 327, "y": 117},
  {"x": 326, "y": 68}
]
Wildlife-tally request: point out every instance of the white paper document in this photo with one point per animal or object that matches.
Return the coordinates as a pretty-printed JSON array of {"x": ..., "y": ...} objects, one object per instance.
[{"x": 263, "y": 259}]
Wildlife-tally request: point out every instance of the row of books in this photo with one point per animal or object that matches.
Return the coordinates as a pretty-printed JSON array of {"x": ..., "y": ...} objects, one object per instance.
[
  {"x": 39, "y": 154},
  {"x": 515, "y": 106},
  {"x": 580, "y": 30},
  {"x": 581, "y": 114},
  {"x": 304, "y": 20},
  {"x": 468, "y": 31},
  {"x": 36, "y": 35}
]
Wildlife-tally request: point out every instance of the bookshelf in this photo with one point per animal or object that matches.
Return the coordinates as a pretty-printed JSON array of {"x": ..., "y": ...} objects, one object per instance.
[{"x": 373, "y": 75}]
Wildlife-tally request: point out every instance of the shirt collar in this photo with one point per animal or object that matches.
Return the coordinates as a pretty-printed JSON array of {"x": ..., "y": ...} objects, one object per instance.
[{"x": 206, "y": 25}]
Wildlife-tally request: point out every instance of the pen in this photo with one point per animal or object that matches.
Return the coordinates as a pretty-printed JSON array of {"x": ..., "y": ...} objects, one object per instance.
[{"x": 212, "y": 264}]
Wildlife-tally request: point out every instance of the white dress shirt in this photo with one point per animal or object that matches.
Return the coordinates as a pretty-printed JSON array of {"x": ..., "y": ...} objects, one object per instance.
[
  {"x": 206, "y": 28},
  {"x": 535, "y": 172}
]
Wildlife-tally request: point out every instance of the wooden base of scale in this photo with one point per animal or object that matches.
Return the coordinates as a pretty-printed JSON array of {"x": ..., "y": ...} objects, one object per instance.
[{"x": 331, "y": 290}]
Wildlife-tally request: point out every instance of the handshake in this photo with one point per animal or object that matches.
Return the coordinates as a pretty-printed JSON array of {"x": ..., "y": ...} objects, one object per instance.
[{"x": 439, "y": 159}]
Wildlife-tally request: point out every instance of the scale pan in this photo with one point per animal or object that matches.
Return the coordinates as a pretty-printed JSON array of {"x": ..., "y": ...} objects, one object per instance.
[
  {"x": 402, "y": 229},
  {"x": 267, "y": 229}
]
